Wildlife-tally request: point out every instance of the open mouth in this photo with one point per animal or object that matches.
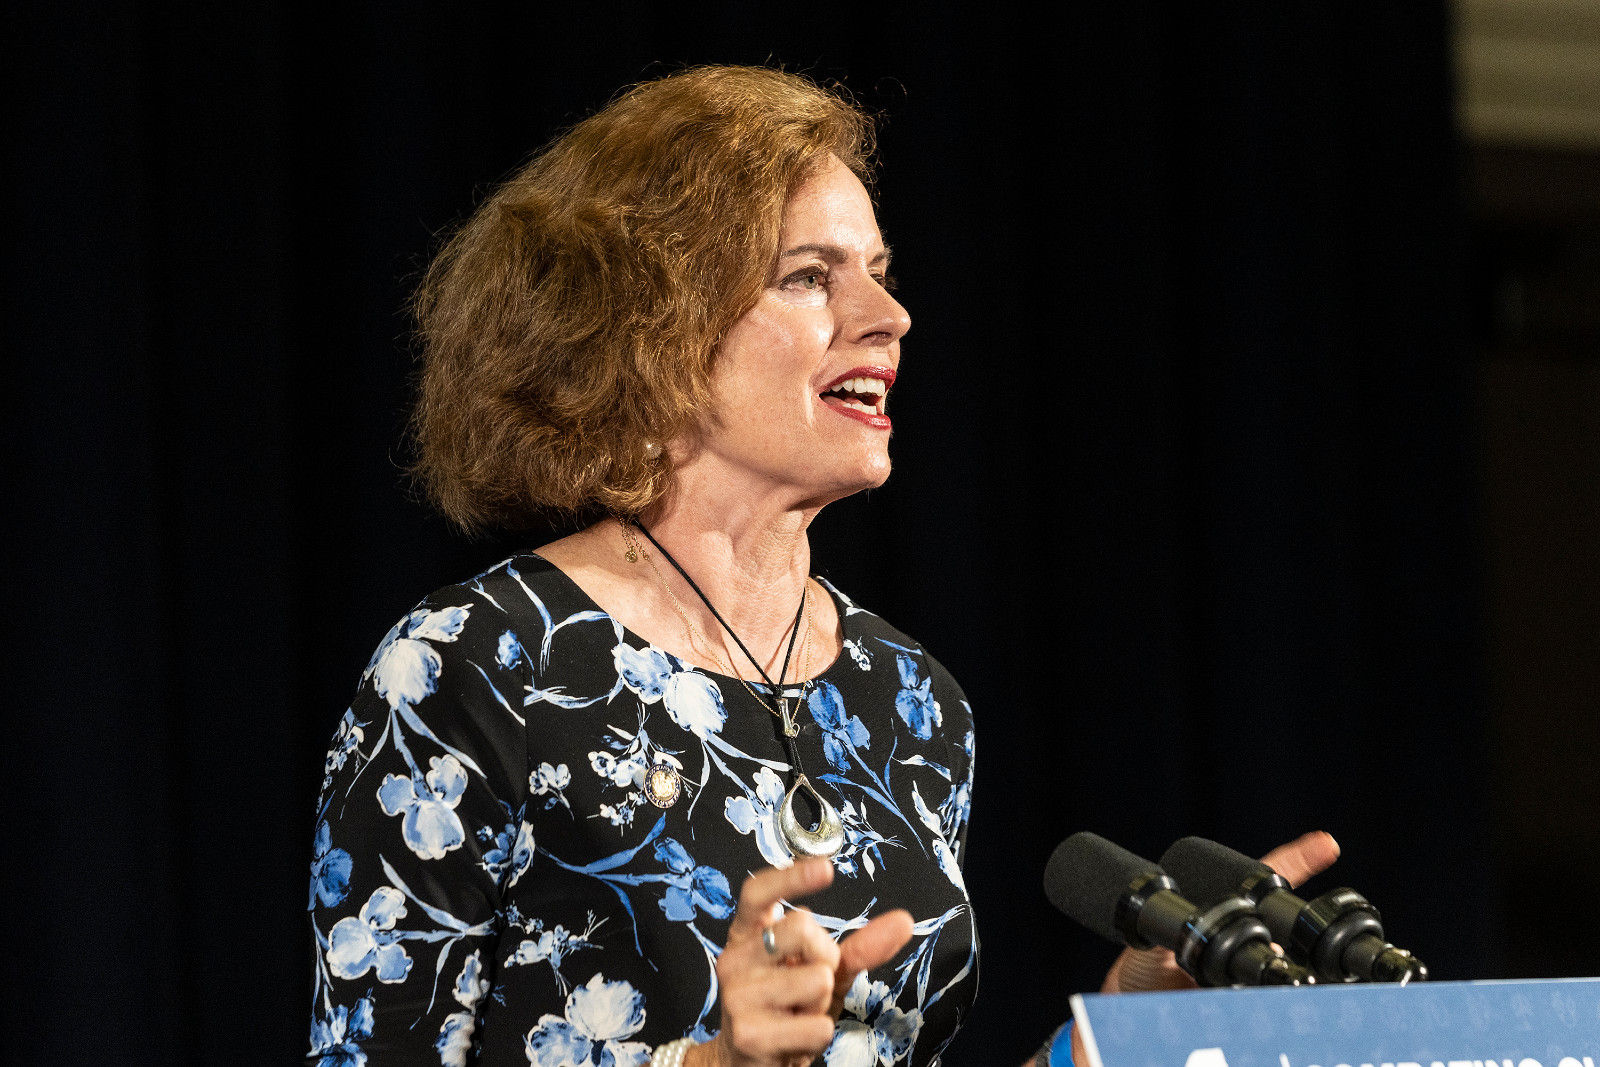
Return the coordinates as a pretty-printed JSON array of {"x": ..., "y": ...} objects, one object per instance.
[{"x": 860, "y": 392}]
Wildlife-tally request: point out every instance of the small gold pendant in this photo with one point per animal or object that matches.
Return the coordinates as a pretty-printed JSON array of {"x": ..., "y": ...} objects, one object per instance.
[
  {"x": 789, "y": 728},
  {"x": 663, "y": 785}
]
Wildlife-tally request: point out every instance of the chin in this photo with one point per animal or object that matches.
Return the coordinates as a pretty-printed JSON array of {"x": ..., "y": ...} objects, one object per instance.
[{"x": 870, "y": 474}]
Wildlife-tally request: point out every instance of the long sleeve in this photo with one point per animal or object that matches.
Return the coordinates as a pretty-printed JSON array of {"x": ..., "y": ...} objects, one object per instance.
[{"x": 419, "y": 834}]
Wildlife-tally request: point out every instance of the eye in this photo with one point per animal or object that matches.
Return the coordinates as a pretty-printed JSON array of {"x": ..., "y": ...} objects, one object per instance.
[
  {"x": 887, "y": 281},
  {"x": 807, "y": 279}
]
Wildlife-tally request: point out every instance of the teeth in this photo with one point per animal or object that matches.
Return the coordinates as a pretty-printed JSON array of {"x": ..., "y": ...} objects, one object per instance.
[
  {"x": 862, "y": 394},
  {"x": 864, "y": 386}
]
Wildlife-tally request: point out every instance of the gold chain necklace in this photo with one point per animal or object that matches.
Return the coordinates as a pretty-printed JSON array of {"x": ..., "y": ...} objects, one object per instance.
[
  {"x": 698, "y": 641},
  {"x": 827, "y": 837}
]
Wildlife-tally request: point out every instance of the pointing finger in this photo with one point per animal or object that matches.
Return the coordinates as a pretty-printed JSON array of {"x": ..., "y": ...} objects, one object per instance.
[{"x": 767, "y": 887}]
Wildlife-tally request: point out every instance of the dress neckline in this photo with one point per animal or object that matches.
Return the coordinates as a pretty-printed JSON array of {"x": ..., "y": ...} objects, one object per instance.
[{"x": 845, "y": 627}]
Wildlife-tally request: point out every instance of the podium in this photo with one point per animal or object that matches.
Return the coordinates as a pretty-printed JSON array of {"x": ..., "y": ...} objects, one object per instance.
[{"x": 1433, "y": 1024}]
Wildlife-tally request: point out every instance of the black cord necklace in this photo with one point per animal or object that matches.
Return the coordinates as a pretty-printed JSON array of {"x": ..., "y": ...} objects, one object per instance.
[
  {"x": 780, "y": 704},
  {"x": 828, "y": 836}
]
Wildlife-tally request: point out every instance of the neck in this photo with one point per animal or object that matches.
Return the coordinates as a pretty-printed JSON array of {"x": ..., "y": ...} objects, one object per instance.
[{"x": 746, "y": 549}]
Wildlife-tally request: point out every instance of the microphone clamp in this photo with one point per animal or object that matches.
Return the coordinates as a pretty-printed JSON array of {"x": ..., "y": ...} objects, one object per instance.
[
  {"x": 1339, "y": 935},
  {"x": 1228, "y": 944},
  {"x": 1131, "y": 904}
]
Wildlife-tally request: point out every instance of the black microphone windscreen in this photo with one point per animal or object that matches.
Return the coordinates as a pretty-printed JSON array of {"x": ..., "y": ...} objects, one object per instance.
[
  {"x": 1087, "y": 875},
  {"x": 1208, "y": 872}
]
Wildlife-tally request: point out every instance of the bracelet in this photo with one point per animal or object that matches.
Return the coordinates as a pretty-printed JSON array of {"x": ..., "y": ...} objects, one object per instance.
[{"x": 672, "y": 1053}]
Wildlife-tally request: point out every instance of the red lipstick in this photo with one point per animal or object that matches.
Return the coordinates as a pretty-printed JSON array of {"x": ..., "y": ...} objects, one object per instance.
[
  {"x": 875, "y": 419},
  {"x": 884, "y": 374}
]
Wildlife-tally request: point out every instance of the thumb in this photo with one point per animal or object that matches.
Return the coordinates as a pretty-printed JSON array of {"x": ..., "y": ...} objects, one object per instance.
[
  {"x": 1303, "y": 857},
  {"x": 871, "y": 946}
]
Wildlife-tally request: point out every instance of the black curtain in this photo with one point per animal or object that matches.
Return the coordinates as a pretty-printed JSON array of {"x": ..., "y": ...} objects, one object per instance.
[{"x": 1184, "y": 493}]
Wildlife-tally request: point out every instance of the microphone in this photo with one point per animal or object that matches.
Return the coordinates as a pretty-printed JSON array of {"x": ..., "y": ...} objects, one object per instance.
[
  {"x": 1339, "y": 935},
  {"x": 1133, "y": 902}
]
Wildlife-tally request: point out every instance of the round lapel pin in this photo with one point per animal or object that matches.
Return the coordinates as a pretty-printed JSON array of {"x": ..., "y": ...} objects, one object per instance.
[{"x": 663, "y": 785}]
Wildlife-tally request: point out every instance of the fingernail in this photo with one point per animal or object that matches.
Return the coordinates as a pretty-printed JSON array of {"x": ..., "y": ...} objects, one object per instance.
[{"x": 1337, "y": 851}]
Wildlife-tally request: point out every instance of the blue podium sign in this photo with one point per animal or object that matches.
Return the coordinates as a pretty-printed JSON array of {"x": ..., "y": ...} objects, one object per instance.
[{"x": 1432, "y": 1024}]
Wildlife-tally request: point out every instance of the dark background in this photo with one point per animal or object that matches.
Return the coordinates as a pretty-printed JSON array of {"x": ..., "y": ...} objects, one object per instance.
[{"x": 1218, "y": 477}]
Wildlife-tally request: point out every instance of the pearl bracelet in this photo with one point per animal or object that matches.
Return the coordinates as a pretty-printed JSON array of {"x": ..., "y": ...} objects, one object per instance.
[{"x": 672, "y": 1053}]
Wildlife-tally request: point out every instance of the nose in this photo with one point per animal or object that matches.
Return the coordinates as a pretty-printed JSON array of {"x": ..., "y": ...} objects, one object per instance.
[{"x": 876, "y": 319}]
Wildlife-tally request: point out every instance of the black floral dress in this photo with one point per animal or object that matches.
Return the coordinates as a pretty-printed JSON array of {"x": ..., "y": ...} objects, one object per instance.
[{"x": 490, "y": 884}]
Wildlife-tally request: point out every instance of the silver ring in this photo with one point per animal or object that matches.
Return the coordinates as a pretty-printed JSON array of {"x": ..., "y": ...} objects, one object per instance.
[{"x": 769, "y": 941}]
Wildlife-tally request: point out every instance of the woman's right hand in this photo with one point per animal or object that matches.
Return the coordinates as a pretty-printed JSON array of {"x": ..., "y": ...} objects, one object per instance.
[{"x": 779, "y": 1008}]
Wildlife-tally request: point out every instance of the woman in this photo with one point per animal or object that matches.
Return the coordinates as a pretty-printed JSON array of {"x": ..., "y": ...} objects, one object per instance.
[{"x": 553, "y": 778}]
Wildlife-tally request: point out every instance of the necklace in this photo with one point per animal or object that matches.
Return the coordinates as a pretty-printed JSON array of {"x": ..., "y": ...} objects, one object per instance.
[
  {"x": 699, "y": 642},
  {"x": 828, "y": 836}
]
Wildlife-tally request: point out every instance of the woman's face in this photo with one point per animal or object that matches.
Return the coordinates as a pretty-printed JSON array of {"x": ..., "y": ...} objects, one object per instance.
[{"x": 801, "y": 379}]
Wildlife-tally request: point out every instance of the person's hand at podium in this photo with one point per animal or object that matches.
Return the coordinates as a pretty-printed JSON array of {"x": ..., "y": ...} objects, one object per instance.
[{"x": 1154, "y": 970}]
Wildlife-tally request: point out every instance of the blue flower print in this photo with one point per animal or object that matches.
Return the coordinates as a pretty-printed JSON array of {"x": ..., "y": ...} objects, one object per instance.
[
  {"x": 405, "y": 668},
  {"x": 549, "y": 782},
  {"x": 758, "y": 813},
  {"x": 335, "y": 1036},
  {"x": 956, "y": 810},
  {"x": 941, "y": 846},
  {"x": 512, "y": 849},
  {"x": 624, "y": 766},
  {"x": 330, "y": 870},
  {"x": 549, "y": 946},
  {"x": 653, "y": 898},
  {"x": 454, "y": 1042},
  {"x": 346, "y": 740},
  {"x": 915, "y": 701},
  {"x": 645, "y": 671},
  {"x": 695, "y": 703},
  {"x": 455, "y": 1038},
  {"x": 859, "y": 653},
  {"x": 627, "y": 772},
  {"x": 840, "y": 732},
  {"x": 509, "y": 651},
  {"x": 873, "y": 1033},
  {"x": 368, "y": 942},
  {"x": 850, "y": 606},
  {"x": 471, "y": 984},
  {"x": 599, "y": 1016},
  {"x": 691, "y": 886},
  {"x": 430, "y": 827},
  {"x": 861, "y": 843},
  {"x": 620, "y": 815}
]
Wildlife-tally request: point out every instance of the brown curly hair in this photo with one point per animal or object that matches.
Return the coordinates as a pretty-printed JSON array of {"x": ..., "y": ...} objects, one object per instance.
[{"x": 574, "y": 318}]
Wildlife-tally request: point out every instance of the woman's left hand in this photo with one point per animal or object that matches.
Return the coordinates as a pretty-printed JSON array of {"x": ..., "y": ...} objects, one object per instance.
[
  {"x": 1155, "y": 969},
  {"x": 779, "y": 1005}
]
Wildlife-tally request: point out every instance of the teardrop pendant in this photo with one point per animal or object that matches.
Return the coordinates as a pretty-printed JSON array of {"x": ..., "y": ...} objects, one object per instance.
[{"x": 826, "y": 840}]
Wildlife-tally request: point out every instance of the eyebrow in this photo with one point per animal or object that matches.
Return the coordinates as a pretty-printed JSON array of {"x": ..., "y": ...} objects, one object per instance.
[{"x": 832, "y": 253}]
